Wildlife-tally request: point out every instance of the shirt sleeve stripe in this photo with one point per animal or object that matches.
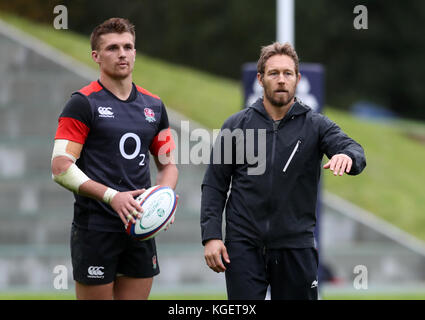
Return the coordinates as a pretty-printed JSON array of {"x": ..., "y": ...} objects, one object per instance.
[
  {"x": 144, "y": 91},
  {"x": 94, "y": 86},
  {"x": 72, "y": 129},
  {"x": 163, "y": 143}
]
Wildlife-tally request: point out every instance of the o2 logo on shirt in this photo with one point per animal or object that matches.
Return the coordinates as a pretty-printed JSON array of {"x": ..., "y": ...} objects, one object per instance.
[{"x": 136, "y": 153}]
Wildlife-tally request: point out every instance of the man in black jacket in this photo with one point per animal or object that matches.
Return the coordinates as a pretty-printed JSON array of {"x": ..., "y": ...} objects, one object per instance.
[{"x": 270, "y": 210}]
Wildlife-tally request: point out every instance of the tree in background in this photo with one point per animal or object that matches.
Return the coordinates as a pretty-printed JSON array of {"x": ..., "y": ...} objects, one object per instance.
[{"x": 382, "y": 64}]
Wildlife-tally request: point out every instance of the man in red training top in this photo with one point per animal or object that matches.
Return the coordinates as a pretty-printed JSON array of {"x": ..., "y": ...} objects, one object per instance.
[{"x": 101, "y": 153}]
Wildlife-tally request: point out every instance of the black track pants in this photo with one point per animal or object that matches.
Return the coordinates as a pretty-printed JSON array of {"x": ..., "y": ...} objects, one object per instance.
[{"x": 291, "y": 273}]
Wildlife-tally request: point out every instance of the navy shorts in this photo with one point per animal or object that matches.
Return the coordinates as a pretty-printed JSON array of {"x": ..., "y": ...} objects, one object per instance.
[
  {"x": 98, "y": 257},
  {"x": 291, "y": 273}
]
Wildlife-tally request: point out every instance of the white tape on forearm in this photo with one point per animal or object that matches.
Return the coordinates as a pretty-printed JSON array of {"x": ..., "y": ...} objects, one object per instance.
[
  {"x": 59, "y": 149},
  {"x": 109, "y": 194},
  {"x": 72, "y": 178}
]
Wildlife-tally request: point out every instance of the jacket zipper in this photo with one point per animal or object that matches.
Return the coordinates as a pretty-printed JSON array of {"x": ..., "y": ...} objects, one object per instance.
[
  {"x": 292, "y": 155},
  {"x": 275, "y": 128},
  {"x": 266, "y": 237}
]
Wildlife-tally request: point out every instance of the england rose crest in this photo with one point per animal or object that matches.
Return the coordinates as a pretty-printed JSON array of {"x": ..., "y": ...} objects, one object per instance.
[{"x": 149, "y": 115}]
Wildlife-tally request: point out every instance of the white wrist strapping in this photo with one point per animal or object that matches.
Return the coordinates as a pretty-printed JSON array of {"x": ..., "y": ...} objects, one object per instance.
[
  {"x": 72, "y": 178},
  {"x": 109, "y": 194}
]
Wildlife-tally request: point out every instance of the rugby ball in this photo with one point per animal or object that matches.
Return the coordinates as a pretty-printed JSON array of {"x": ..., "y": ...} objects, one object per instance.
[{"x": 159, "y": 206}]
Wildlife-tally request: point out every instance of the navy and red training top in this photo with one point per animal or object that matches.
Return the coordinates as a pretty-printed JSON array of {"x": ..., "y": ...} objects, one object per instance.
[{"x": 117, "y": 137}]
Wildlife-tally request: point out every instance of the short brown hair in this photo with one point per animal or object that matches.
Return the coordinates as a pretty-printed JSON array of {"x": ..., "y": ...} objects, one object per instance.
[
  {"x": 112, "y": 25},
  {"x": 273, "y": 49}
]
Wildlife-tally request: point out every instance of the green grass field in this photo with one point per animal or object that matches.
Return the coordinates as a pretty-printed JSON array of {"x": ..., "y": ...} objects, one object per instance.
[
  {"x": 71, "y": 296},
  {"x": 392, "y": 185},
  {"x": 376, "y": 296},
  {"x": 333, "y": 296}
]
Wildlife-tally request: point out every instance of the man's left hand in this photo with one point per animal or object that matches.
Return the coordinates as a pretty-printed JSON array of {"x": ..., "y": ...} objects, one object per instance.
[{"x": 339, "y": 163}]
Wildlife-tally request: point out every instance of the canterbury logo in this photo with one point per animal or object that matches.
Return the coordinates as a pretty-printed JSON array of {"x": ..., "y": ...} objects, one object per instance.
[
  {"x": 95, "y": 272},
  {"x": 105, "y": 112}
]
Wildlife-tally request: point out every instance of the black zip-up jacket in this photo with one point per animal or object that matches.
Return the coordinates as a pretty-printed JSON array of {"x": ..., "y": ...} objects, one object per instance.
[{"x": 276, "y": 209}]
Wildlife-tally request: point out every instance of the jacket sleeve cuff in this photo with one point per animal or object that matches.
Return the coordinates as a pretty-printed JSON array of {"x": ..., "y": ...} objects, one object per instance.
[
  {"x": 358, "y": 162},
  {"x": 206, "y": 240},
  {"x": 212, "y": 231}
]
